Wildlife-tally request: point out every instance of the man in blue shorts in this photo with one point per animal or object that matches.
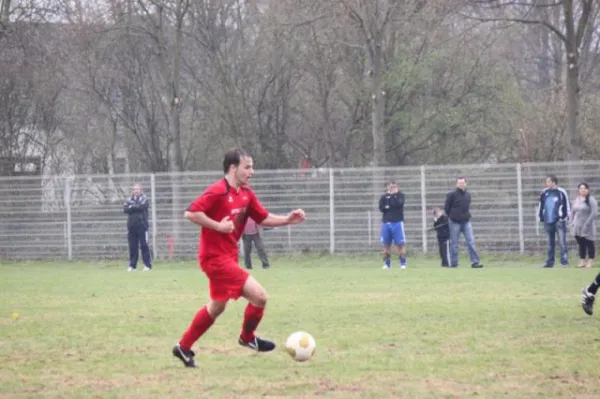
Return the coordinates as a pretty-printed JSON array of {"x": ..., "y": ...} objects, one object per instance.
[{"x": 391, "y": 205}]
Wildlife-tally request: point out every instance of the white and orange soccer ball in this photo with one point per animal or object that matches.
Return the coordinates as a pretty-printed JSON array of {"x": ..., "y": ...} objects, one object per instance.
[{"x": 300, "y": 346}]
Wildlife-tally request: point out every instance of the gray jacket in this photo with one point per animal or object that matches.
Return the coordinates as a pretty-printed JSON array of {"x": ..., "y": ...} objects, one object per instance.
[{"x": 584, "y": 218}]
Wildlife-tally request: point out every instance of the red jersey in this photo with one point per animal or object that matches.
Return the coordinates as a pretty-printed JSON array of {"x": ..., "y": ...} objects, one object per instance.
[{"x": 218, "y": 201}]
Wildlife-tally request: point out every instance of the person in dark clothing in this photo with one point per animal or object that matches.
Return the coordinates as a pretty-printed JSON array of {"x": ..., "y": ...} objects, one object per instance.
[
  {"x": 442, "y": 229},
  {"x": 553, "y": 210},
  {"x": 136, "y": 208},
  {"x": 588, "y": 295},
  {"x": 252, "y": 235},
  {"x": 391, "y": 205},
  {"x": 457, "y": 207}
]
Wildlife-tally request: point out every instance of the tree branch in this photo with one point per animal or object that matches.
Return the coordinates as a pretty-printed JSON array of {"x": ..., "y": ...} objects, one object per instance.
[
  {"x": 583, "y": 21},
  {"x": 548, "y": 25}
]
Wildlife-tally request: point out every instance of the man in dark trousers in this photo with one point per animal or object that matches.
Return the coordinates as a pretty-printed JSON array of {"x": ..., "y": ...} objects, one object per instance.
[
  {"x": 553, "y": 210},
  {"x": 136, "y": 208},
  {"x": 457, "y": 208},
  {"x": 252, "y": 235},
  {"x": 440, "y": 225}
]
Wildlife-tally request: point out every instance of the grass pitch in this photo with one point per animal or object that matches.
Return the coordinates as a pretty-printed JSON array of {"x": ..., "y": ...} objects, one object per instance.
[{"x": 94, "y": 330}]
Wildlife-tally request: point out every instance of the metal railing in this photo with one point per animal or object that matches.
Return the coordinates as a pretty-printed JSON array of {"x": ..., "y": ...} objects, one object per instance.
[{"x": 81, "y": 217}]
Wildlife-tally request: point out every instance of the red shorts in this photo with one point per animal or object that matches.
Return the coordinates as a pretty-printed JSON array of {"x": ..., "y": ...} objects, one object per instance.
[{"x": 226, "y": 278}]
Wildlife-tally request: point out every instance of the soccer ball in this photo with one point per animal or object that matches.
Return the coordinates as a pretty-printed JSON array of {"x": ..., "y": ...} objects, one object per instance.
[{"x": 300, "y": 346}]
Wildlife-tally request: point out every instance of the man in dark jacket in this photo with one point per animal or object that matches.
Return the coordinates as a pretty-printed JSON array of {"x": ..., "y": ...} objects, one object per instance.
[
  {"x": 554, "y": 210},
  {"x": 391, "y": 206},
  {"x": 457, "y": 208},
  {"x": 136, "y": 208}
]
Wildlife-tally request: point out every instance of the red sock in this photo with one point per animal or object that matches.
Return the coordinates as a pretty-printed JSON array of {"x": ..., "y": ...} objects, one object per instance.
[
  {"x": 202, "y": 322},
  {"x": 252, "y": 317}
]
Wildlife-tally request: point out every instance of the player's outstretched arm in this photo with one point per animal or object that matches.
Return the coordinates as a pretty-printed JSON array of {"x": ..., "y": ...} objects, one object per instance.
[
  {"x": 294, "y": 217},
  {"x": 200, "y": 218}
]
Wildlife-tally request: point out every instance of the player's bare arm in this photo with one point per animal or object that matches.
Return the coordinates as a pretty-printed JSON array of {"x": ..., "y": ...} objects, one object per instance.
[
  {"x": 200, "y": 218},
  {"x": 294, "y": 217}
]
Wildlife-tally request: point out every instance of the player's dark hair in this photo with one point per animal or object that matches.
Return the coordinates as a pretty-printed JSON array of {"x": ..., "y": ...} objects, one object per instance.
[
  {"x": 233, "y": 157},
  {"x": 461, "y": 178},
  {"x": 553, "y": 179},
  {"x": 587, "y": 197}
]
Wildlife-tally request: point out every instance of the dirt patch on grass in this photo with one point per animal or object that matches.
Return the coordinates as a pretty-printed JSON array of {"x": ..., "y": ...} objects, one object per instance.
[
  {"x": 452, "y": 389},
  {"x": 217, "y": 351},
  {"x": 516, "y": 386},
  {"x": 325, "y": 387}
]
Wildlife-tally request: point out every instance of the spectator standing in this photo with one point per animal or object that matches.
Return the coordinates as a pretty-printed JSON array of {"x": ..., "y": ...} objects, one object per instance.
[
  {"x": 583, "y": 216},
  {"x": 553, "y": 211},
  {"x": 252, "y": 235},
  {"x": 391, "y": 206},
  {"x": 458, "y": 210},
  {"x": 136, "y": 208},
  {"x": 442, "y": 230}
]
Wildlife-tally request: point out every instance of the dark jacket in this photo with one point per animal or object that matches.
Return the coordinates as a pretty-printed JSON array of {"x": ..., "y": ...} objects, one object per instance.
[
  {"x": 137, "y": 211},
  {"x": 392, "y": 207},
  {"x": 458, "y": 204},
  {"x": 553, "y": 205},
  {"x": 441, "y": 228}
]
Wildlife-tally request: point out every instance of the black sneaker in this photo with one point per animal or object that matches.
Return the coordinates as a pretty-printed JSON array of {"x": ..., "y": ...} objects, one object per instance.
[
  {"x": 587, "y": 301},
  {"x": 476, "y": 266},
  {"x": 258, "y": 344},
  {"x": 187, "y": 357},
  {"x": 546, "y": 266}
]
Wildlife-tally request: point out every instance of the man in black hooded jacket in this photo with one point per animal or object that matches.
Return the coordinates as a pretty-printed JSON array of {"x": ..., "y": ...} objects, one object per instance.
[
  {"x": 136, "y": 208},
  {"x": 457, "y": 208}
]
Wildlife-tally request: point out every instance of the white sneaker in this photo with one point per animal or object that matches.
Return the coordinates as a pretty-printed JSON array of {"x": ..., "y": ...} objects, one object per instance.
[
  {"x": 402, "y": 266},
  {"x": 385, "y": 267},
  {"x": 131, "y": 269},
  {"x": 147, "y": 269}
]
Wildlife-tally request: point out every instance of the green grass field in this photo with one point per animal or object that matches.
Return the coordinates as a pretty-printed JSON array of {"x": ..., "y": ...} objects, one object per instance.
[{"x": 92, "y": 330}]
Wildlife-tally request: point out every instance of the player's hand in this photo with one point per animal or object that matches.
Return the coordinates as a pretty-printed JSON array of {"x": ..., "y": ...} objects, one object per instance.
[
  {"x": 296, "y": 216},
  {"x": 226, "y": 225}
]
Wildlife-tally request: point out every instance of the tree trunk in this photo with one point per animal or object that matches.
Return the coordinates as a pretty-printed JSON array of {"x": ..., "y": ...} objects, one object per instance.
[
  {"x": 378, "y": 103},
  {"x": 175, "y": 152},
  {"x": 572, "y": 137},
  {"x": 4, "y": 16},
  {"x": 177, "y": 158},
  {"x": 4, "y": 11}
]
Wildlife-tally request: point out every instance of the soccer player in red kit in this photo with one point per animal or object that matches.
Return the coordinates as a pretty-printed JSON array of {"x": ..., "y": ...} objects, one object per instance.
[{"x": 221, "y": 211}]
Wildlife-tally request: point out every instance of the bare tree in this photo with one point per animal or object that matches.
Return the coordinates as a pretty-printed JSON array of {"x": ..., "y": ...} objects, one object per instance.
[
  {"x": 31, "y": 86},
  {"x": 573, "y": 26},
  {"x": 372, "y": 20}
]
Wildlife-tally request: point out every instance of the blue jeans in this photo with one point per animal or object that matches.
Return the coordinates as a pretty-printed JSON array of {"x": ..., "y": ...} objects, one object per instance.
[
  {"x": 552, "y": 229},
  {"x": 467, "y": 230}
]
